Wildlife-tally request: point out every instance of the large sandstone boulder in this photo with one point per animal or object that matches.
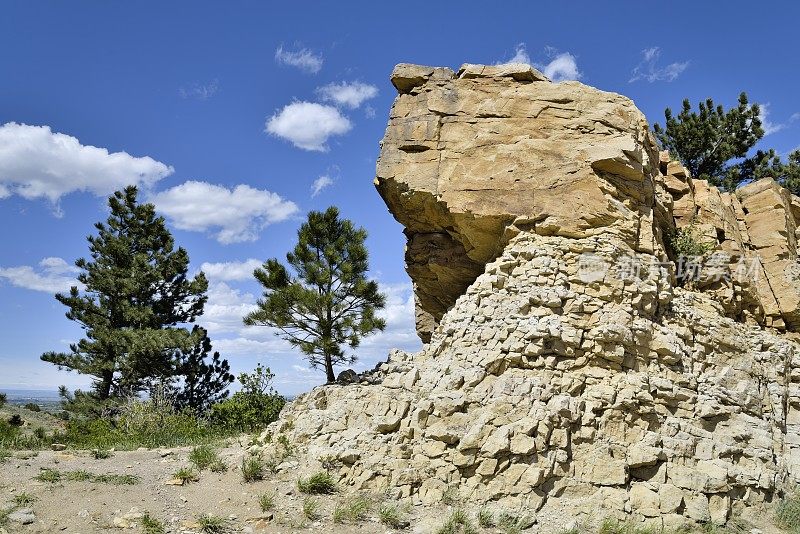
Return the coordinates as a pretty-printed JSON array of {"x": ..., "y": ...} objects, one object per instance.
[{"x": 566, "y": 372}]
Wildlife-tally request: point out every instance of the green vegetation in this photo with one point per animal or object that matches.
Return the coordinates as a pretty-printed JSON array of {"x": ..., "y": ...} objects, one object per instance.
[
  {"x": 266, "y": 502},
  {"x": 186, "y": 475},
  {"x": 318, "y": 483},
  {"x": 203, "y": 457},
  {"x": 457, "y": 523},
  {"x": 151, "y": 525},
  {"x": 205, "y": 381},
  {"x": 24, "y": 499},
  {"x": 311, "y": 508},
  {"x": 33, "y": 407},
  {"x": 787, "y": 513},
  {"x": 101, "y": 454},
  {"x": 3, "y": 399},
  {"x": 352, "y": 510},
  {"x": 211, "y": 524},
  {"x": 54, "y": 476},
  {"x": 389, "y": 515},
  {"x": 708, "y": 141},
  {"x": 253, "y": 468},
  {"x": 252, "y": 408},
  {"x": 485, "y": 518},
  {"x": 328, "y": 302},
  {"x": 686, "y": 242}
]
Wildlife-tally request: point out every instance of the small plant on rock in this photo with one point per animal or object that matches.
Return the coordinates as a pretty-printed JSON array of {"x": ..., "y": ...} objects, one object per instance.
[
  {"x": 211, "y": 524},
  {"x": 203, "y": 457},
  {"x": 24, "y": 499},
  {"x": 311, "y": 508},
  {"x": 266, "y": 502},
  {"x": 185, "y": 475},
  {"x": 353, "y": 510},
  {"x": 787, "y": 513},
  {"x": 485, "y": 518},
  {"x": 389, "y": 515},
  {"x": 151, "y": 525},
  {"x": 318, "y": 483}
]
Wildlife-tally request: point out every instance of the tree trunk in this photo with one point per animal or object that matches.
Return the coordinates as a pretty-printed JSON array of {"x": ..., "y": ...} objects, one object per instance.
[
  {"x": 329, "y": 369},
  {"x": 105, "y": 384}
]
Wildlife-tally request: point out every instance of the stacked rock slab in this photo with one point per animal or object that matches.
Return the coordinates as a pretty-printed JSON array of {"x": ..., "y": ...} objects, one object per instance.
[{"x": 565, "y": 373}]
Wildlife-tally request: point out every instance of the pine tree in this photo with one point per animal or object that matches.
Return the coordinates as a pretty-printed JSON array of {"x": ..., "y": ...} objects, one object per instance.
[
  {"x": 707, "y": 141},
  {"x": 770, "y": 165},
  {"x": 327, "y": 302},
  {"x": 135, "y": 295},
  {"x": 204, "y": 382}
]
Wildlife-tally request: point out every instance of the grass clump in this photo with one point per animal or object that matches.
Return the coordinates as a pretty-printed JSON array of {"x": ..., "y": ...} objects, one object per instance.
[
  {"x": 52, "y": 476},
  {"x": 613, "y": 526},
  {"x": 485, "y": 518},
  {"x": 318, "y": 483},
  {"x": 151, "y": 525},
  {"x": 23, "y": 499},
  {"x": 458, "y": 523},
  {"x": 266, "y": 502},
  {"x": 311, "y": 508},
  {"x": 252, "y": 468},
  {"x": 451, "y": 497},
  {"x": 101, "y": 454},
  {"x": 186, "y": 475},
  {"x": 203, "y": 457},
  {"x": 787, "y": 513},
  {"x": 212, "y": 524},
  {"x": 389, "y": 515},
  {"x": 353, "y": 510},
  {"x": 513, "y": 524}
]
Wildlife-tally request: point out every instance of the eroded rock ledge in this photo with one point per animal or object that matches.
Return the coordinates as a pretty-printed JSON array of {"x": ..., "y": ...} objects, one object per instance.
[{"x": 566, "y": 372}]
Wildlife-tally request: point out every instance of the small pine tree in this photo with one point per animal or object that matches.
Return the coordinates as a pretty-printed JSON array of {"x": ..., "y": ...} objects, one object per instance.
[
  {"x": 204, "y": 382},
  {"x": 136, "y": 293},
  {"x": 770, "y": 165},
  {"x": 328, "y": 301},
  {"x": 706, "y": 141}
]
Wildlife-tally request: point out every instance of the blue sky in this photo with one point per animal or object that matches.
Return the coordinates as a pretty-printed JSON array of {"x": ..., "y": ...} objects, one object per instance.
[{"x": 238, "y": 118}]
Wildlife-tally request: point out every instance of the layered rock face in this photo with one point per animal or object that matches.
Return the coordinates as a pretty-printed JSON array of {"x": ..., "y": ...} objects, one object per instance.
[{"x": 565, "y": 371}]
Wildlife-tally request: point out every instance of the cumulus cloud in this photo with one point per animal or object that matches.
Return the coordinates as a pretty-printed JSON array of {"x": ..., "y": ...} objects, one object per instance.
[
  {"x": 649, "y": 69},
  {"x": 231, "y": 270},
  {"x": 319, "y": 184},
  {"x": 54, "y": 275},
  {"x": 562, "y": 65},
  {"x": 236, "y": 215},
  {"x": 303, "y": 59},
  {"x": 308, "y": 125},
  {"x": 769, "y": 126},
  {"x": 225, "y": 309},
  {"x": 795, "y": 117},
  {"x": 199, "y": 91},
  {"x": 36, "y": 162},
  {"x": 350, "y": 94}
]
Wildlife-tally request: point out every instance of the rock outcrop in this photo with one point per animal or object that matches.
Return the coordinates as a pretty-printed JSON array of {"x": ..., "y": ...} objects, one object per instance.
[{"x": 565, "y": 370}]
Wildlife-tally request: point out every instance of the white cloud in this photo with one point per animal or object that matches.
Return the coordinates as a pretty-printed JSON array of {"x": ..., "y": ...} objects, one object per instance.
[
  {"x": 649, "y": 70},
  {"x": 53, "y": 276},
  {"x": 200, "y": 91},
  {"x": 562, "y": 66},
  {"x": 350, "y": 94},
  {"x": 35, "y": 162},
  {"x": 520, "y": 56},
  {"x": 304, "y": 59},
  {"x": 319, "y": 184},
  {"x": 769, "y": 126},
  {"x": 239, "y": 214},
  {"x": 231, "y": 270},
  {"x": 369, "y": 111},
  {"x": 308, "y": 125},
  {"x": 795, "y": 117},
  {"x": 226, "y": 308}
]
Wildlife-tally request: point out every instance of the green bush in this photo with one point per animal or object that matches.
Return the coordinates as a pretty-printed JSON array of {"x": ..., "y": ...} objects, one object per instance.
[
  {"x": 687, "y": 243},
  {"x": 3, "y": 399},
  {"x": 252, "y": 408},
  {"x": 33, "y": 407},
  {"x": 787, "y": 513},
  {"x": 318, "y": 483},
  {"x": 253, "y": 468}
]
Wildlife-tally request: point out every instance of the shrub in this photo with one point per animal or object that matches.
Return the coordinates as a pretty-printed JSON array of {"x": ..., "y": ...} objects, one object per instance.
[
  {"x": 787, "y": 512},
  {"x": 16, "y": 420},
  {"x": 252, "y": 468},
  {"x": 3, "y": 399},
  {"x": 218, "y": 466},
  {"x": 185, "y": 475},
  {"x": 354, "y": 510},
  {"x": 457, "y": 523},
  {"x": 252, "y": 408},
  {"x": 211, "y": 524},
  {"x": 101, "y": 454},
  {"x": 318, "y": 483},
  {"x": 485, "y": 518},
  {"x": 24, "y": 499},
  {"x": 33, "y": 407},
  {"x": 48, "y": 475},
  {"x": 151, "y": 525},
  {"x": 203, "y": 457},
  {"x": 687, "y": 242},
  {"x": 389, "y": 515}
]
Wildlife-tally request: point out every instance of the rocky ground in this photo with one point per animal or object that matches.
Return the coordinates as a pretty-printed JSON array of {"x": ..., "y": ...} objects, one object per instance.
[{"x": 89, "y": 506}]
